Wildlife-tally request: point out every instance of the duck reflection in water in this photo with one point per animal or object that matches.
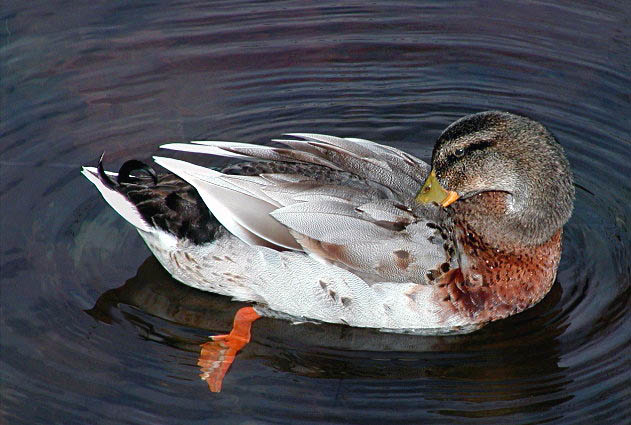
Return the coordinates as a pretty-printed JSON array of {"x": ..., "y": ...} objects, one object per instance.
[{"x": 494, "y": 359}]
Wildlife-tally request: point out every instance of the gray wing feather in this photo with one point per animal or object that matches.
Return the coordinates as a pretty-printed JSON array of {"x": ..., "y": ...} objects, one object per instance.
[{"x": 369, "y": 225}]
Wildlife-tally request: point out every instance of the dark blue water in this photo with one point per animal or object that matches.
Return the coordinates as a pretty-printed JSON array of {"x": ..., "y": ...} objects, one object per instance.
[{"x": 94, "y": 331}]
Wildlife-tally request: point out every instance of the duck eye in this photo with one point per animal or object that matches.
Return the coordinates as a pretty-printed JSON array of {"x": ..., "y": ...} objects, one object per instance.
[{"x": 459, "y": 153}]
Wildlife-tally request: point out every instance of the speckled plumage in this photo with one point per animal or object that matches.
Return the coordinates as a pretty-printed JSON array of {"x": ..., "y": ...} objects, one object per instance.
[
  {"x": 494, "y": 282},
  {"x": 328, "y": 229}
]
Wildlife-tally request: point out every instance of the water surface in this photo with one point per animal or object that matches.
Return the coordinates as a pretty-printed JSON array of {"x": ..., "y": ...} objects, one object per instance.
[{"x": 93, "y": 330}]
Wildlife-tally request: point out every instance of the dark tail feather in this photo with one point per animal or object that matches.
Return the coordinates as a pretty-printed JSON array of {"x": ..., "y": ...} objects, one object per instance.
[
  {"x": 124, "y": 174},
  {"x": 105, "y": 179},
  {"x": 135, "y": 165},
  {"x": 166, "y": 202}
]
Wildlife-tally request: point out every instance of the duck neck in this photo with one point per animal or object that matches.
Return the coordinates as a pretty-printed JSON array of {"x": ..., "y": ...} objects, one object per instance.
[
  {"x": 503, "y": 220},
  {"x": 497, "y": 277}
]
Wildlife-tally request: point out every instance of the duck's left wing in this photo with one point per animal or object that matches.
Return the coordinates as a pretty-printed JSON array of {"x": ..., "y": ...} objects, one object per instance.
[{"x": 362, "y": 224}]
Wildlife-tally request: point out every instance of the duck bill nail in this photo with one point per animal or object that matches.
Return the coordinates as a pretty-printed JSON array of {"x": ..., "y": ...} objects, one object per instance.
[
  {"x": 450, "y": 199},
  {"x": 432, "y": 191}
]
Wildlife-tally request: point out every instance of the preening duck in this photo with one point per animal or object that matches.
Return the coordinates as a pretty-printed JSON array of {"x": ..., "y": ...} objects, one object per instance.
[{"x": 348, "y": 231}]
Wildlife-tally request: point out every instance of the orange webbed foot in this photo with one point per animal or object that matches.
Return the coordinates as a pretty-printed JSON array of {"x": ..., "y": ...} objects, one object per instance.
[{"x": 217, "y": 355}]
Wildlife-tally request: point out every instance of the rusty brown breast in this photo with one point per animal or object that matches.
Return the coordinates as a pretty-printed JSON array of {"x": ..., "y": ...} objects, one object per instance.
[{"x": 495, "y": 280}]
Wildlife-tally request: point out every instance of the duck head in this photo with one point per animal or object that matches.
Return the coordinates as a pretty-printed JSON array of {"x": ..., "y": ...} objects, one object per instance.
[{"x": 504, "y": 175}]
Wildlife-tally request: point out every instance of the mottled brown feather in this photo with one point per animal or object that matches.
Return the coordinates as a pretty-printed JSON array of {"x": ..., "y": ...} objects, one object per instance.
[{"x": 495, "y": 281}]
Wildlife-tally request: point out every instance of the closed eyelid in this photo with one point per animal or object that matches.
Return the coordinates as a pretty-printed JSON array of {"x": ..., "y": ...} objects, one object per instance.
[{"x": 479, "y": 145}]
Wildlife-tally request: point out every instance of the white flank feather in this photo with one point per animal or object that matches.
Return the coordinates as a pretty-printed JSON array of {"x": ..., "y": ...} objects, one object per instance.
[
  {"x": 117, "y": 201},
  {"x": 207, "y": 150},
  {"x": 250, "y": 151}
]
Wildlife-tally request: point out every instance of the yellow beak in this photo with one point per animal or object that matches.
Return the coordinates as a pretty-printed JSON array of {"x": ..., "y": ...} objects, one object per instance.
[{"x": 432, "y": 191}]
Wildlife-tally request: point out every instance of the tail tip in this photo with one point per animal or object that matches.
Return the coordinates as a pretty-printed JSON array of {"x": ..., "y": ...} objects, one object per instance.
[{"x": 105, "y": 179}]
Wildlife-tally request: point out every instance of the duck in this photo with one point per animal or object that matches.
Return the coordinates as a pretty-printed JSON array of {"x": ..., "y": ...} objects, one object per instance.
[{"x": 347, "y": 231}]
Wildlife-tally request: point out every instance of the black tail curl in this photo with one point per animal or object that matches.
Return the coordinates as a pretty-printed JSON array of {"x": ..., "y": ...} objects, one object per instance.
[{"x": 124, "y": 174}]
